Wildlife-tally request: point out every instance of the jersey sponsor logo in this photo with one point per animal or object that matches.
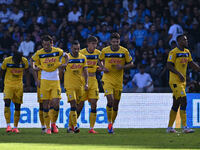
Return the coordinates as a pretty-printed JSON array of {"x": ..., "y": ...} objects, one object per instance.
[
  {"x": 115, "y": 55},
  {"x": 49, "y": 60},
  {"x": 115, "y": 61},
  {"x": 49, "y": 55},
  {"x": 15, "y": 71},
  {"x": 91, "y": 63},
  {"x": 182, "y": 55},
  {"x": 15, "y": 65},
  {"x": 75, "y": 66},
  {"x": 184, "y": 60}
]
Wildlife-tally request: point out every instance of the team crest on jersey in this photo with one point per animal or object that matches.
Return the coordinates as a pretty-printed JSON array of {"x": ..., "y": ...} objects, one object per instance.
[{"x": 170, "y": 57}]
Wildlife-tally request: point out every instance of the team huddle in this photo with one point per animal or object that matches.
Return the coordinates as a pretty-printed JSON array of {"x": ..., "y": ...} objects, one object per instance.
[{"x": 51, "y": 64}]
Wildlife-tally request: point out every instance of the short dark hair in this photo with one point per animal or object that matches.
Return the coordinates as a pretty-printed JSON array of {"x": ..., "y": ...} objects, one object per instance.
[
  {"x": 179, "y": 36},
  {"x": 92, "y": 39},
  {"x": 115, "y": 35},
  {"x": 47, "y": 38},
  {"x": 17, "y": 57},
  {"x": 75, "y": 42}
]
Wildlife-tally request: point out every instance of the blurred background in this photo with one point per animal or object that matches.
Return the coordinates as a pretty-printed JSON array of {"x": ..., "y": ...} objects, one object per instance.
[{"x": 148, "y": 29}]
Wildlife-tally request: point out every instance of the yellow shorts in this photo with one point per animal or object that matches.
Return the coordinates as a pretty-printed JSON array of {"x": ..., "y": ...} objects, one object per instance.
[
  {"x": 14, "y": 93},
  {"x": 178, "y": 89},
  {"x": 38, "y": 95},
  {"x": 115, "y": 90},
  {"x": 50, "y": 89},
  {"x": 74, "y": 94},
  {"x": 93, "y": 90}
]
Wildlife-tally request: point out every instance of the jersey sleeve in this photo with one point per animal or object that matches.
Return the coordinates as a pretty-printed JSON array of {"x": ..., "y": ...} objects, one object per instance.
[
  {"x": 102, "y": 55},
  {"x": 85, "y": 62},
  {"x": 190, "y": 57},
  {"x": 26, "y": 63},
  {"x": 128, "y": 57},
  {"x": 4, "y": 65},
  {"x": 35, "y": 57},
  {"x": 171, "y": 57}
]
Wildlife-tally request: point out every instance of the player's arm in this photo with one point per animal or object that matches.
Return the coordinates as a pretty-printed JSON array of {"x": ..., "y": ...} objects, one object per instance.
[
  {"x": 66, "y": 60},
  {"x": 126, "y": 66},
  {"x": 102, "y": 66},
  {"x": 194, "y": 66},
  {"x": 85, "y": 72},
  {"x": 170, "y": 67}
]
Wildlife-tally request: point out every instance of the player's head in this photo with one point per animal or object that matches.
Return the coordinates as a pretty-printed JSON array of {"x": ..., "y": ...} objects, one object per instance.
[
  {"x": 75, "y": 47},
  {"x": 115, "y": 40},
  {"x": 92, "y": 42},
  {"x": 17, "y": 57},
  {"x": 141, "y": 68},
  {"x": 47, "y": 42},
  {"x": 182, "y": 40}
]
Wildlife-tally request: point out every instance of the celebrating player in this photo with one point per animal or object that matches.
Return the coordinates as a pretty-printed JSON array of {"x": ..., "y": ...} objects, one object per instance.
[
  {"x": 92, "y": 94},
  {"x": 48, "y": 59},
  {"x": 116, "y": 58},
  {"x": 73, "y": 83},
  {"x": 13, "y": 67},
  {"x": 177, "y": 62}
]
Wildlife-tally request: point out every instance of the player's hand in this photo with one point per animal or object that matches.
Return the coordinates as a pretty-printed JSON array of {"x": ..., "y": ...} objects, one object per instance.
[
  {"x": 86, "y": 87},
  {"x": 105, "y": 70},
  {"x": 36, "y": 68},
  {"x": 38, "y": 83},
  {"x": 119, "y": 67},
  {"x": 181, "y": 77}
]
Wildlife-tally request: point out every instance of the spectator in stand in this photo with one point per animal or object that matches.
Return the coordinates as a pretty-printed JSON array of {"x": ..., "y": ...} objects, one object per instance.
[
  {"x": 4, "y": 14},
  {"x": 103, "y": 34},
  {"x": 153, "y": 36},
  {"x": 74, "y": 14},
  {"x": 27, "y": 46},
  {"x": 174, "y": 30},
  {"x": 140, "y": 34},
  {"x": 16, "y": 14},
  {"x": 142, "y": 81}
]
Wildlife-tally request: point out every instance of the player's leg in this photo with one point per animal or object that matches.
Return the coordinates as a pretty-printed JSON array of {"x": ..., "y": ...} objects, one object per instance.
[
  {"x": 46, "y": 108},
  {"x": 93, "y": 115},
  {"x": 79, "y": 108},
  {"x": 51, "y": 111},
  {"x": 183, "y": 105},
  {"x": 16, "y": 117},
  {"x": 117, "y": 97},
  {"x": 41, "y": 117},
  {"x": 56, "y": 107},
  {"x": 109, "y": 107},
  {"x": 173, "y": 113},
  {"x": 73, "y": 115},
  {"x": 7, "y": 114}
]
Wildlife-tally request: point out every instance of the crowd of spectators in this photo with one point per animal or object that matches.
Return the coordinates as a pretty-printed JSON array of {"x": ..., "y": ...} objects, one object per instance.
[{"x": 148, "y": 29}]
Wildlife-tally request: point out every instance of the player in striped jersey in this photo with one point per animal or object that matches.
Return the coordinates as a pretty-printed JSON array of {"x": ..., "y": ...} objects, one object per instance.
[
  {"x": 92, "y": 94},
  {"x": 115, "y": 58},
  {"x": 13, "y": 67}
]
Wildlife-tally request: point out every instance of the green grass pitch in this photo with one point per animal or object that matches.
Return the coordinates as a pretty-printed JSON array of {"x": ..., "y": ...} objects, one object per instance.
[{"x": 123, "y": 139}]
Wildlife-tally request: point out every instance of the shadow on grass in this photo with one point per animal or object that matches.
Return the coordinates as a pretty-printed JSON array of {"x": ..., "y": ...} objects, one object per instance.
[{"x": 148, "y": 138}]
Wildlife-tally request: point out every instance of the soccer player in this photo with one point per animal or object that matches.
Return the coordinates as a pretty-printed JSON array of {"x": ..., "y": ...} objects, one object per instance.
[
  {"x": 116, "y": 58},
  {"x": 13, "y": 66},
  {"x": 48, "y": 59},
  {"x": 177, "y": 62},
  {"x": 92, "y": 94},
  {"x": 73, "y": 83}
]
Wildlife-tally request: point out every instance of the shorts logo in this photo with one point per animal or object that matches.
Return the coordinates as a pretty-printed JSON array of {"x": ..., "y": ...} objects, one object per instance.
[
  {"x": 182, "y": 93},
  {"x": 170, "y": 57},
  {"x": 106, "y": 91},
  {"x": 70, "y": 96},
  {"x": 41, "y": 95}
]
